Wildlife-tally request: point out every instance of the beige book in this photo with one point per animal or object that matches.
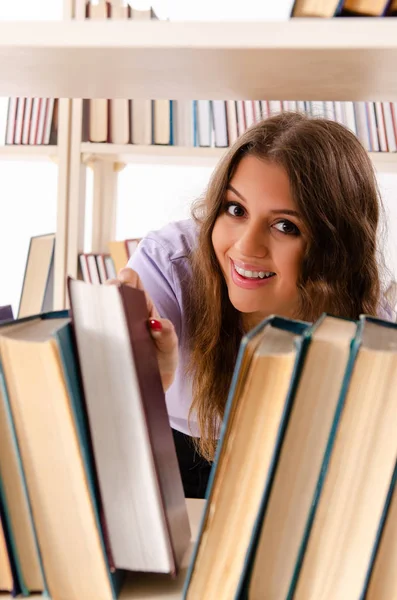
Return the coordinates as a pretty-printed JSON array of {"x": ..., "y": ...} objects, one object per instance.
[
  {"x": 371, "y": 8},
  {"x": 358, "y": 476},
  {"x": 246, "y": 455},
  {"x": 98, "y": 108},
  {"x": 37, "y": 278},
  {"x": 315, "y": 8},
  {"x": 301, "y": 456},
  {"x": 119, "y": 107},
  {"x": 383, "y": 581},
  {"x": 162, "y": 123},
  {"x": 119, "y": 253},
  {"x": 69, "y": 537}
]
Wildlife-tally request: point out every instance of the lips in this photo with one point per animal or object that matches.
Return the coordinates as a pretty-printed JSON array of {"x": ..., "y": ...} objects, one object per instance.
[{"x": 254, "y": 280}]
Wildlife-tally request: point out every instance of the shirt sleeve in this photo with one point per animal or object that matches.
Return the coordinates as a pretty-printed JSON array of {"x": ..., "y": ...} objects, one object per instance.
[{"x": 152, "y": 262}]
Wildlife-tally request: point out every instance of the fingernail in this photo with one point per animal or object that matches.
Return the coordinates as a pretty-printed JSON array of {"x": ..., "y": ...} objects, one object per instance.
[{"x": 155, "y": 325}]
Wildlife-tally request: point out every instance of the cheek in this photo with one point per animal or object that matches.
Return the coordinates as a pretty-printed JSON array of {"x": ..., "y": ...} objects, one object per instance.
[{"x": 291, "y": 261}]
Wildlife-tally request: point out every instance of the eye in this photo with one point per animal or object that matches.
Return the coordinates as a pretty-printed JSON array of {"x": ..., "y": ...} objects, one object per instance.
[
  {"x": 286, "y": 227},
  {"x": 234, "y": 209}
]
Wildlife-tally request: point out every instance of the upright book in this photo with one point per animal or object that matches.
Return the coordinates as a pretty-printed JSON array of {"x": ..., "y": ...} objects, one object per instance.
[
  {"x": 137, "y": 466},
  {"x": 41, "y": 375},
  {"x": 267, "y": 368}
]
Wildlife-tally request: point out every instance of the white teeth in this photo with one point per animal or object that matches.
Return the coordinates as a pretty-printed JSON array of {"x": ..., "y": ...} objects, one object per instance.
[{"x": 253, "y": 274}]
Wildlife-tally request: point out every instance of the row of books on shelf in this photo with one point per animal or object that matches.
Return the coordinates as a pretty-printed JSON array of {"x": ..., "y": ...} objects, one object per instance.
[
  {"x": 99, "y": 267},
  {"x": 32, "y": 121},
  {"x": 302, "y": 500},
  {"x": 204, "y": 123}
]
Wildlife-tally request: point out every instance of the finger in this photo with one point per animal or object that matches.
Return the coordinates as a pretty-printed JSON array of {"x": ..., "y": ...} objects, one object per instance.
[
  {"x": 128, "y": 276},
  {"x": 164, "y": 335}
]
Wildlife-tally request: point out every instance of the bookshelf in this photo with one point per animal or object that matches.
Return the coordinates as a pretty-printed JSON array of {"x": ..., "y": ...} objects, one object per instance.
[
  {"x": 28, "y": 153},
  {"x": 337, "y": 59},
  {"x": 384, "y": 162}
]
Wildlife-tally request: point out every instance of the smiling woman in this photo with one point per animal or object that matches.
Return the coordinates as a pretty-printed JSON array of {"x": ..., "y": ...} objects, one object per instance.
[{"x": 287, "y": 226}]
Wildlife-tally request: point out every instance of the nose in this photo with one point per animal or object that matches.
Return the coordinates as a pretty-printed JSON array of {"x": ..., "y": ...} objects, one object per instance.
[{"x": 253, "y": 241}]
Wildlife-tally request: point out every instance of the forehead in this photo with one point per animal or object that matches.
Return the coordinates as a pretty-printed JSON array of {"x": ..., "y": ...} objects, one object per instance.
[{"x": 263, "y": 181}]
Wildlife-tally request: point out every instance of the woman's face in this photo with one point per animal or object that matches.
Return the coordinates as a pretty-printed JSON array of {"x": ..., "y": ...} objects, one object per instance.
[{"x": 259, "y": 240}]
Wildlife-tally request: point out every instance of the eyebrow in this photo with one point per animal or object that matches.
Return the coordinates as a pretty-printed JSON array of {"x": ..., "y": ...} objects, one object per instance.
[{"x": 283, "y": 211}]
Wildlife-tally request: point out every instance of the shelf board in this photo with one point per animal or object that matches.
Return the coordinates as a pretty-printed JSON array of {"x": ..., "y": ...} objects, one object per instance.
[
  {"x": 159, "y": 155},
  {"x": 384, "y": 162},
  {"x": 299, "y": 59},
  {"x": 28, "y": 153}
]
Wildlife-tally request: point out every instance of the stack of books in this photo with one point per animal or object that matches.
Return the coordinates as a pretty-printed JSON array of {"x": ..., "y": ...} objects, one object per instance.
[
  {"x": 89, "y": 480},
  {"x": 302, "y": 502}
]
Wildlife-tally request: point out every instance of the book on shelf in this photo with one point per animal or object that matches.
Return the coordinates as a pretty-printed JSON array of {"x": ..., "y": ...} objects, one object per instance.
[
  {"x": 6, "y": 313},
  {"x": 218, "y": 123},
  {"x": 314, "y": 505},
  {"x": 38, "y": 281},
  {"x": 90, "y": 484},
  {"x": 99, "y": 267},
  {"x": 31, "y": 121}
]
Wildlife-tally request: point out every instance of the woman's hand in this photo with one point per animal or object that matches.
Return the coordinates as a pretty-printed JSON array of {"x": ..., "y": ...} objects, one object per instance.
[{"x": 162, "y": 330}]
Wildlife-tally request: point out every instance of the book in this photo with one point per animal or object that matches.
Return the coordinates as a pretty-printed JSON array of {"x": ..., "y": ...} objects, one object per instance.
[
  {"x": 368, "y": 8},
  {"x": 8, "y": 580},
  {"x": 42, "y": 376},
  {"x": 381, "y": 583},
  {"x": 15, "y": 501},
  {"x": 268, "y": 363},
  {"x": 119, "y": 254},
  {"x": 6, "y": 313},
  {"x": 138, "y": 473},
  {"x": 317, "y": 8},
  {"x": 38, "y": 277},
  {"x": 286, "y": 507},
  {"x": 355, "y": 477}
]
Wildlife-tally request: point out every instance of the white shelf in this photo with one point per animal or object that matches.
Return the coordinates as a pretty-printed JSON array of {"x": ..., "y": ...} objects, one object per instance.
[
  {"x": 161, "y": 155},
  {"x": 28, "y": 153},
  {"x": 336, "y": 59},
  {"x": 384, "y": 162}
]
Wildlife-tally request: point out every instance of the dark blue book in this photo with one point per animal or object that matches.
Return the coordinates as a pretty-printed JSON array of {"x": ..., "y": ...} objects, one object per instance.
[{"x": 263, "y": 386}]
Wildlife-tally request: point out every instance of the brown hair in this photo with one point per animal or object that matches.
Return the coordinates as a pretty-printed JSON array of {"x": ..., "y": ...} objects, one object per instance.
[{"x": 334, "y": 186}]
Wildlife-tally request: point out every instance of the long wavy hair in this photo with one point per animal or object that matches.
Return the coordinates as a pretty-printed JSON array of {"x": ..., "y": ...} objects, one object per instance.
[{"x": 334, "y": 186}]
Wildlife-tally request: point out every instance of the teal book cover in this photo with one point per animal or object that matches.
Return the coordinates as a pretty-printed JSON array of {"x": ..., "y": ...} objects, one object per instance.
[
  {"x": 71, "y": 369},
  {"x": 297, "y": 327}
]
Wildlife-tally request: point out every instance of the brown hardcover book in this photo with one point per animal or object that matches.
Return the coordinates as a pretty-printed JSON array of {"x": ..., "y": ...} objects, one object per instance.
[{"x": 136, "y": 462}]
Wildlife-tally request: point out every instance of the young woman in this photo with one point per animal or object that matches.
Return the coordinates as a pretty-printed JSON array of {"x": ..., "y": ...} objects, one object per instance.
[{"x": 287, "y": 226}]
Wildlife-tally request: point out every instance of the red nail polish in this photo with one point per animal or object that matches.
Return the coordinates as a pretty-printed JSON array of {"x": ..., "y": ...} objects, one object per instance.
[{"x": 155, "y": 325}]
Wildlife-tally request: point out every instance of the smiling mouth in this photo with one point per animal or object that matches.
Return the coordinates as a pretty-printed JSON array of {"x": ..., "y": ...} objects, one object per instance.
[{"x": 253, "y": 274}]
